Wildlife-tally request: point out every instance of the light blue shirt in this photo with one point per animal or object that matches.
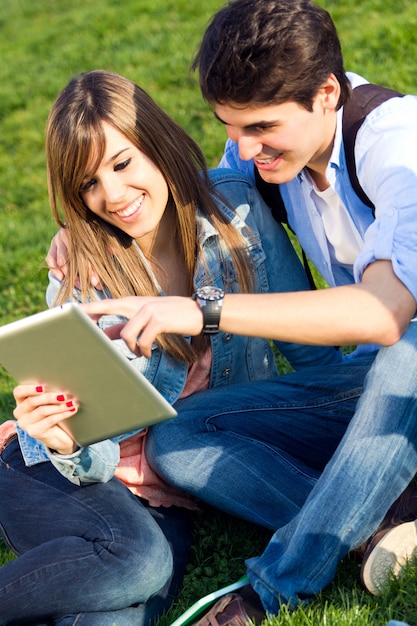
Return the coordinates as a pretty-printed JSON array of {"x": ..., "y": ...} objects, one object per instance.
[
  {"x": 235, "y": 358},
  {"x": 386, "y": 165}
]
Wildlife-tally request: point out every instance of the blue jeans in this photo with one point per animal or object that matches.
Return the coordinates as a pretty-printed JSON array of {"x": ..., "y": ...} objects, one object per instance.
[
  {"x": 90, "y": 555},
  {"x": 318, "y": 456}
]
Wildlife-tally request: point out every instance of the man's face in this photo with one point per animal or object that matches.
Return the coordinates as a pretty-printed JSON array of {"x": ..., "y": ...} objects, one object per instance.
[{"x": 281, "y": 138}]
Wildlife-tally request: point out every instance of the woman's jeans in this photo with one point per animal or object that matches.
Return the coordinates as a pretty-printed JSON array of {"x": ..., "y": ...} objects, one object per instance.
[
  {"x": 318, "y": 454},
  {"x": 90, "y": 555}
]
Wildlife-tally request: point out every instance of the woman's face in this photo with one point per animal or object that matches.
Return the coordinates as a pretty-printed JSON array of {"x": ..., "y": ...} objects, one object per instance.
[{"x": 127, "y": 189}]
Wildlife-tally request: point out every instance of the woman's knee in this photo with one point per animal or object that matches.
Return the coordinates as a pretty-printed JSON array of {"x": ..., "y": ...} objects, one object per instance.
[{"x": 141, "y": 572}]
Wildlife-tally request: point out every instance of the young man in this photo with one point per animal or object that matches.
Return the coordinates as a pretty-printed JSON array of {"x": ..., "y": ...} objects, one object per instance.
[
  {"x": 319, "y": 455},
  {"x": 273, "y": 72}
]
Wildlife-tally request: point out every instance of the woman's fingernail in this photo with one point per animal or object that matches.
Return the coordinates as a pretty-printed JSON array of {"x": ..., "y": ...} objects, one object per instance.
[
  {"x": 60, "y": 398},
  {"x": 69, "y": 403},
  {"x": 39, "y": 388}
]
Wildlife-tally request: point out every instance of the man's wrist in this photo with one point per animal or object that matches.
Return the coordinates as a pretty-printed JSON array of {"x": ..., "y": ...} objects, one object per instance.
[{"x": 210, "y": 301}]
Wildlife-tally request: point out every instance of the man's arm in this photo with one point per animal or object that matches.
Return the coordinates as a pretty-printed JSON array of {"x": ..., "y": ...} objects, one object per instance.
[{"x": 377, "y": 310}]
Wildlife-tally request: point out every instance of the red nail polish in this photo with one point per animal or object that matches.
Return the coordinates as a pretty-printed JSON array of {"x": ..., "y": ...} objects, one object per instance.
[
  {"x": 69, "y": 403},
  {"x": 60, "y": 398},
  {"x": 39, "y": 388},
  {"x": 72, "y": 410}
]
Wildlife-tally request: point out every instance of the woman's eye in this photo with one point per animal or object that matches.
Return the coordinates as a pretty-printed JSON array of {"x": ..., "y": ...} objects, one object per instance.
[
  {"x": 121, "y": 166},
  {"x": 88, "y": 185}
]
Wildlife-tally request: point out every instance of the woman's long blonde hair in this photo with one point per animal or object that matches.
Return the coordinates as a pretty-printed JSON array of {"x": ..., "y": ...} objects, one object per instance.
[{"x": 74, "y": 133}]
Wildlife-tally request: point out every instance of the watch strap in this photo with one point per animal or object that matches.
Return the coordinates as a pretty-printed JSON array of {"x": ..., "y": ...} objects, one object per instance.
[{"x": 211, "y": 316}]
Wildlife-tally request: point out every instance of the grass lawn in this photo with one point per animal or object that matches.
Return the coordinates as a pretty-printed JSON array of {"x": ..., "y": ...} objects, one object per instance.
[{"x": 42, "y": 44}]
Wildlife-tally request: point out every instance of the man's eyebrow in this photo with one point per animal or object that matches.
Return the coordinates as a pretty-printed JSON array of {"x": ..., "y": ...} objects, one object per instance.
[
  {"x": 219, "y": 119},
  {"x": 260, "y": 123}
]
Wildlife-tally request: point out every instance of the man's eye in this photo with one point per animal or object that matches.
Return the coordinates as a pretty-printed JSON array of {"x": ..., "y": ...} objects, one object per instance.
[{"x": 122, "y": 166}]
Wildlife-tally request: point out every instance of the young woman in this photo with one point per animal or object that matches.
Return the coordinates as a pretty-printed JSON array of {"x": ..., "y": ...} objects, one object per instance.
[{"x": 132, "y": 192}]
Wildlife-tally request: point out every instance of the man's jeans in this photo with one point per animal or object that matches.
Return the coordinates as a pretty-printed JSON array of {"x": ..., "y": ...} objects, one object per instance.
[
  {"x": 95, "y": 547},
  {"x": 262, "y": 451}
]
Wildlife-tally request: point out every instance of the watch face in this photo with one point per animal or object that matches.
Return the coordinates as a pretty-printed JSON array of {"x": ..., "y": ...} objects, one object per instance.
[{"x": 210, "y": 293}]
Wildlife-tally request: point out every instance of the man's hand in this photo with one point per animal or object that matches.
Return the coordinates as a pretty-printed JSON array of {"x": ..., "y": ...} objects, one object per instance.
[
  {"x": 57, "y": 260},
  {"x": 57, "y": 257},
  {"x": 149, "y": 316}
]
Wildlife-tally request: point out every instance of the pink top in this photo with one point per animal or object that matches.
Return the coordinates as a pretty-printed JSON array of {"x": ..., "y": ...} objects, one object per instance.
[{"x": 7, "y": 430}]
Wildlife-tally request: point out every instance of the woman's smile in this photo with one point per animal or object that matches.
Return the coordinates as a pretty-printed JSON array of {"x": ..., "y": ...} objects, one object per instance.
[{"x": 132, "y": 212}]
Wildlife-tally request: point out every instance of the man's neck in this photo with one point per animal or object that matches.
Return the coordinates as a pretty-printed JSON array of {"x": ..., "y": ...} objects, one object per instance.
[{"x": 319, "y": 179}]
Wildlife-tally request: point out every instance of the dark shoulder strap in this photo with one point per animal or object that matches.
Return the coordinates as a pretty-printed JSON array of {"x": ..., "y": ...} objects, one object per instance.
[
  {"x": 271, "y": 195},
  {"x": 364, "y": 99}
]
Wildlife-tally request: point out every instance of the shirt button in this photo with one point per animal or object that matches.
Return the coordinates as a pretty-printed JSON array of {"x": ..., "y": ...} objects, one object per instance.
[
  {"x": 227, "y": 336},
  {"x": 226, "y": 372}
]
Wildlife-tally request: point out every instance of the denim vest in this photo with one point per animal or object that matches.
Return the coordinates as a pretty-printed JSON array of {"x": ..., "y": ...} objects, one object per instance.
[{"x": 235, "y": 358}]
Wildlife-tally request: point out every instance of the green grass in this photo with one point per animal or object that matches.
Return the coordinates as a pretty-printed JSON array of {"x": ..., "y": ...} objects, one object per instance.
[{"x": 42, "y": 44}]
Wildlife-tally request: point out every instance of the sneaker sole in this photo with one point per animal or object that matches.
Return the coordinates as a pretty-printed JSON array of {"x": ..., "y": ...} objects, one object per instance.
[{"x": 389, "y": 556}]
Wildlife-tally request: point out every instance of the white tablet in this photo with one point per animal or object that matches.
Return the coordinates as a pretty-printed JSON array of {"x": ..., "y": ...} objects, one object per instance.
[{"x": 63, "y": 348}]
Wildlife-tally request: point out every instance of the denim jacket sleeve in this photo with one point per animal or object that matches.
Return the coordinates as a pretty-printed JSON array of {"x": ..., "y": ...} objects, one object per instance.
[{"x": 94, "y": 463}]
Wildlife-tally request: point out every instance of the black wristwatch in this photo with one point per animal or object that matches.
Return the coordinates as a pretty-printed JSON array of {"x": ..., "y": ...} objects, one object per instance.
[{"x": 210, "y": 300}]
